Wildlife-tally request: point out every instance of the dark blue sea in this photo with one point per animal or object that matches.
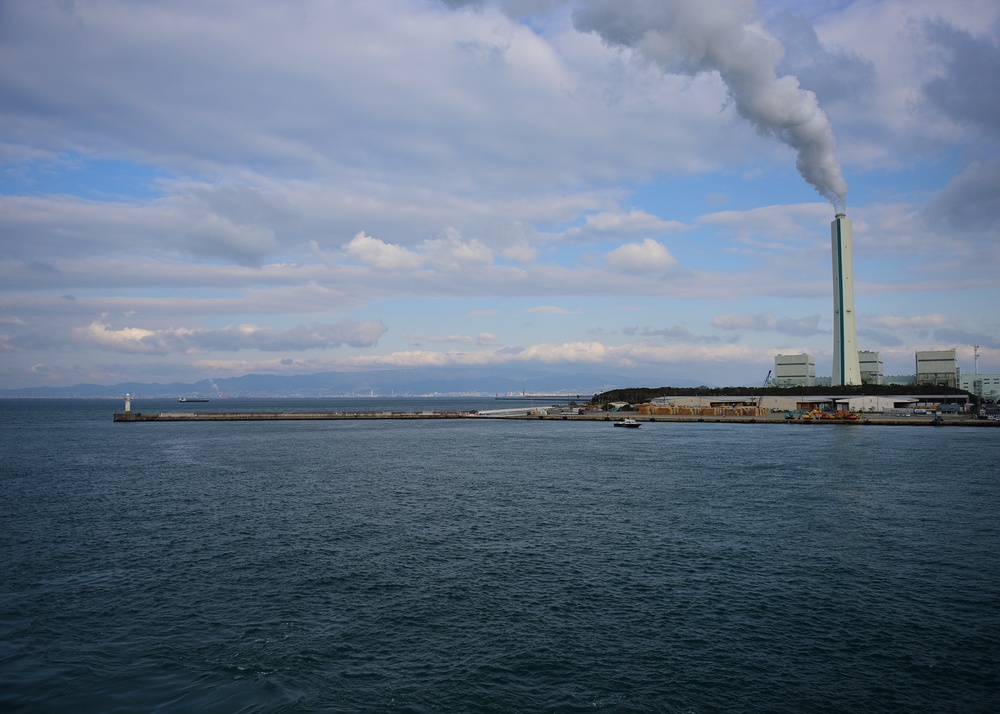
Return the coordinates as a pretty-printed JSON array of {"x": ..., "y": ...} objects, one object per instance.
[{"x": 492, "y": 566}]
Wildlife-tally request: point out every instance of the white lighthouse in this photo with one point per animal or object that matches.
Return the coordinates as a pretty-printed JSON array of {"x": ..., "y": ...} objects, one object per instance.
[{"x": 845, "y": 333}]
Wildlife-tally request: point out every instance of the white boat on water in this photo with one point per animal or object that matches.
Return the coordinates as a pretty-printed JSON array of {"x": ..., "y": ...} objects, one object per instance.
[{"x": 628, "y": 423}]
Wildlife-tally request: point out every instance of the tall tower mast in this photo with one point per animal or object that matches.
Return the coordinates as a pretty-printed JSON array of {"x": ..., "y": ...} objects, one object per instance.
[{"x": 845, "y": 332}]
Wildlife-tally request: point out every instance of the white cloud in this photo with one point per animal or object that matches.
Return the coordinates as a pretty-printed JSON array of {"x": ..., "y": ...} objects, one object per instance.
[
  {"x": 194, "y": 90},
  {"x": 483, "y": 338},
  {"x": 970, "y": 203},
  {"x": 378, "y": 254},
  {"x": 128, "y": 339},
  {"x": 451, "y": 253},
  {"x": 548, "y": 310},
  {"x": 774, "y": 227},
  {"x": 889, "y": 125},
  {"x": 215, "y": 236},
  {"x": 456, "y": 339},
  {"x": 570, "y": 353},
  {"x": 760, "y": 321},
  {"x": 184, "y": 178},
  {"x": 447, "y": 254},
  {"x": 649, "y": 256},
  {"x": 233, "y": 338},
  {"x": 767, "y": 322},
  {"x": 896, "y": 322},
  {"x": 610, "y": 225}
]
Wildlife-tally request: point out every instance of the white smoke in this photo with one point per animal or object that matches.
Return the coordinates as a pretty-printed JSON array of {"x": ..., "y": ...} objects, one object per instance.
[{"x": 694, "y": 36}]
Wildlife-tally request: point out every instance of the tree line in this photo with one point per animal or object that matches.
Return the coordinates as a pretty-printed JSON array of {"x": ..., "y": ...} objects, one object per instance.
[{"x": 640, "y": 395}]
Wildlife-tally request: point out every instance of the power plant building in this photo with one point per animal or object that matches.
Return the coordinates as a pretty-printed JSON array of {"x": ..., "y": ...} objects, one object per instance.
[
  {"x": 794, "y": 371},
  {"x": 986, "y": 386},
  {"x": 872, "y": 370},
  {"x": 937, "y": 367}
]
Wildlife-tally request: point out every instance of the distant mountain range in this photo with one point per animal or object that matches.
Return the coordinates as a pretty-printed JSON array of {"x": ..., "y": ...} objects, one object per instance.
[{"x": 412, "y": 382}]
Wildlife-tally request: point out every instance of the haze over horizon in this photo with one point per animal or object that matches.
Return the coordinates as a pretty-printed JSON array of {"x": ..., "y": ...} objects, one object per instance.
[{"x": 637, "y": 187}]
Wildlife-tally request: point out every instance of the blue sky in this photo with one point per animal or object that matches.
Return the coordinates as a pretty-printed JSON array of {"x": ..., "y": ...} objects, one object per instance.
[{"x": 193, "y": 190}]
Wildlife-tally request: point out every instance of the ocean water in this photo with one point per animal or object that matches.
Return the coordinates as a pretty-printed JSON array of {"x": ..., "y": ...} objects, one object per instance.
[{"x": 495, "y": 566}]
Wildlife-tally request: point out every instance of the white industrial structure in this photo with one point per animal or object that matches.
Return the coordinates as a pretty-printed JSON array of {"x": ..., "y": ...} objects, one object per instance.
[
  {"x": 794, "y": 371},
  {"x": 872, "y": 370},
  {"x": 937, "y": 367},
  {"x": 845, "y": 332},
  {"x": 986, "y": 386}
]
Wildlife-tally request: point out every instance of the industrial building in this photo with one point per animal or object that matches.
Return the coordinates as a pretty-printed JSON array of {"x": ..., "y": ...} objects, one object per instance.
[
  {"x": 937, "y": 367},
  {"x": 860, "y": 367},
  {"x": 986, "y": 386},
  {"x": 794, "y": 371},
  {"x": 748, "y": 405},
  {"x": 871, "y": 367},
  {"x": 932, "y": 367}
]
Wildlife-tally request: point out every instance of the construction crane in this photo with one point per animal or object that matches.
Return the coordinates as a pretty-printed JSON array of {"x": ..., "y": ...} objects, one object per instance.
[{"x": 767, "y": 383}]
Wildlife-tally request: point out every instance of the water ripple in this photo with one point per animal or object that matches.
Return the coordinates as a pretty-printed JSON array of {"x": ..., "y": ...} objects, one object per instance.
[{"x": 491, "y": 566}]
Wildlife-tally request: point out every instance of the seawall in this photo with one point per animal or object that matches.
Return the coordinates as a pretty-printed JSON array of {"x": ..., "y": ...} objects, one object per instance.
[
  {"x": 867, "y": 420},
  {"x": 280, "y": 416}
]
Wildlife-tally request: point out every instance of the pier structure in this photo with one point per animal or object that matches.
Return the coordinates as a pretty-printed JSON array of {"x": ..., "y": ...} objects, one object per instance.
[
  {"x": 280, "y": 416},
  {"x": 541, "y": 415},
  {"x": 550, "y": 413}
]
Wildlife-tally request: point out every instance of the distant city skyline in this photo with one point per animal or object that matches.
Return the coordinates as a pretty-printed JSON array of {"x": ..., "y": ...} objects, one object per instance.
[{"x": 639, "y": 188}]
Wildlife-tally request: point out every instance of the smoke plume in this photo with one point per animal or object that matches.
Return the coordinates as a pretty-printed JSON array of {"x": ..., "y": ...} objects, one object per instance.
[{"x": 694, "y": 36}]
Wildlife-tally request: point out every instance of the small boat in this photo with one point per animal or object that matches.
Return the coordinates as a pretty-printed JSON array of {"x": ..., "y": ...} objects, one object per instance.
[
  {"x": 628, "y": 423},
  {"x": 191, "y": 399}
]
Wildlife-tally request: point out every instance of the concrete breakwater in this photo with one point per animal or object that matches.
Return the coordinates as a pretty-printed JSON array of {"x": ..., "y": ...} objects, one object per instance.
[
  {"x": 541, "y": 415},
  {"x": 280, "y": 416}
]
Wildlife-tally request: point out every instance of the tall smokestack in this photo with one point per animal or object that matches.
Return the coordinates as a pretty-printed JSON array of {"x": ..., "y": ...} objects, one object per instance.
[{"x": 845, "y": 333}]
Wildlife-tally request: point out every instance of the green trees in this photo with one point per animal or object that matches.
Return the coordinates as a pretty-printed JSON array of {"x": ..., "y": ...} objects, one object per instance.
[{"x": 640, "y": 395}]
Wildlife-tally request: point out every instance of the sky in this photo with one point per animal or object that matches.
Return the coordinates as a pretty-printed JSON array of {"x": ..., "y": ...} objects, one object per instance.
[{"x": 192, "y": 190}]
